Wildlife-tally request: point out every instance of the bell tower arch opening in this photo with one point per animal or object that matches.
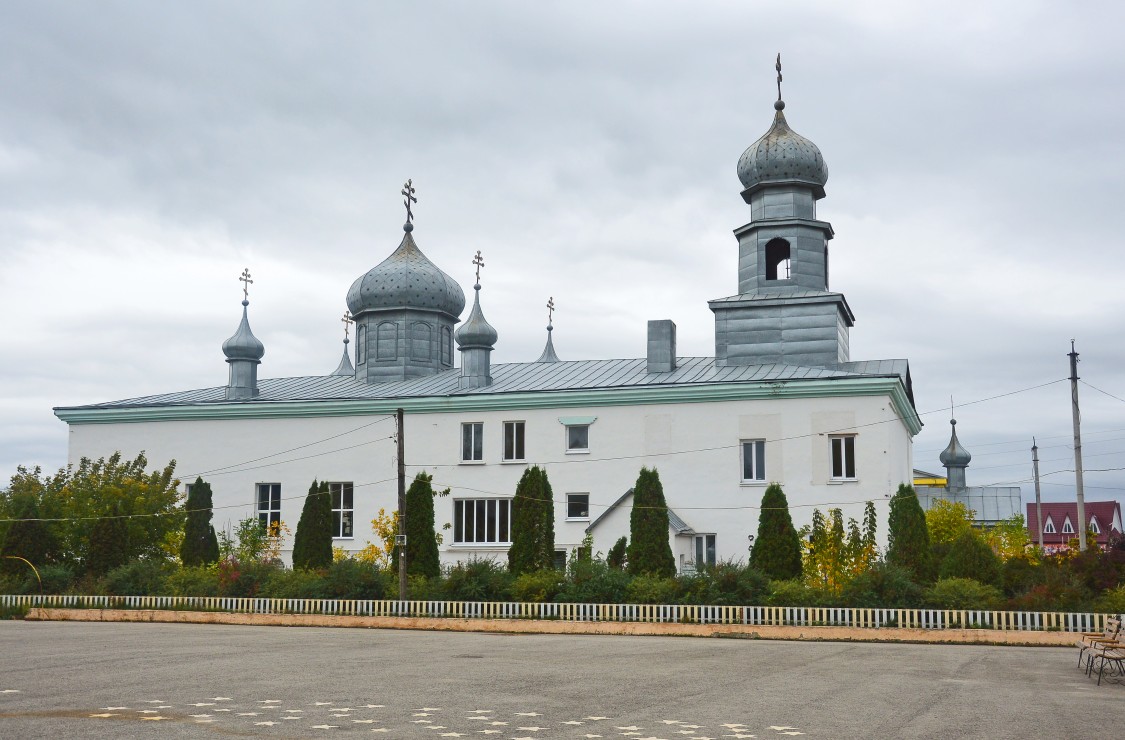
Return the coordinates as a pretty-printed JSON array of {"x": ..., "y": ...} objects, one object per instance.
[{"x": 777, "y": 259}]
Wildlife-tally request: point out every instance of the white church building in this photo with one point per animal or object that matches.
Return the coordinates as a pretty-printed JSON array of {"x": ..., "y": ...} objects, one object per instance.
[{"x": 781, "y": 400}]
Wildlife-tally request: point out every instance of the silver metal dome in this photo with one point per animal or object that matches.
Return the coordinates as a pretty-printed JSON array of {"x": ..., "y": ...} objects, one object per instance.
[
  {"x": 476, "y": 332},
  {"x": 782, "y": 155},
  {"x": 954, "y": 456},
  {"x": 406, "y": 279},
  {"x": 244, "y": 345}
]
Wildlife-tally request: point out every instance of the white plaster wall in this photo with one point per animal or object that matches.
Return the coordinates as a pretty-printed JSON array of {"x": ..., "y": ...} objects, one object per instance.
[{"x": 694, "y": 446}]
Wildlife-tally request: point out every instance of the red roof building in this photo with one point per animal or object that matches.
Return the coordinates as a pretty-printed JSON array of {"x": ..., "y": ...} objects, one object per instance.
[{"x": 1060, "y": 522}]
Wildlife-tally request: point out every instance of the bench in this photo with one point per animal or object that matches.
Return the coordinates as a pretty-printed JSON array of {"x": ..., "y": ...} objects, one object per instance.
[
  {"x": 1109, "y": 653},
  {"x": 1089, "y": 642}
]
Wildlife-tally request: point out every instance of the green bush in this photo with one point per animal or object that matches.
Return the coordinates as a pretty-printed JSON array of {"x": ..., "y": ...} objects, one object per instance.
[
  {"x": 56, "y": 578},
  {"x": 649, "y": 551},
  {"x": 312, "y": 544},
  {"x": 651, "y": 589},
  {"x": 137, "y": 578},
  {"x": 908, "y": 538},
  {"x": 962, "y": 593},
  {"x": 1112, "y": 601},
  {"x": 971, "y": 557},
  {"x": 202, "y": 580},
  {"x": 1019, "y": 575},
  {"x": 351, "y": 579},
  {"x": 777, "y": 547},
  {"x": 245, "y": 579},
  {"x": 593, "y": 582},
  {"x": 883, "y": 585},
  {"x": 293, "y": 584},
  {"x": 419, "y": 588},
  {"x": 795, "y": 592},
  {"x": 477, "y": 579},
  {"x": 539, "y": 586},
  {"x": 616, "y": 556}
]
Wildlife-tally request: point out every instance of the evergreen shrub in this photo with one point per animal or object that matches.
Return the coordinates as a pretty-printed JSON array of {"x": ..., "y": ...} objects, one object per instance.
[
  {"x": 138, "y": 578},
  {"x": 649, "y": 551},
  {"x": 533, "y": 524},
  {"x": 593, "y": 582},
  {"x": 352, "y": 579},
  {"x": 777, "y": 548},
  {"x": 477, "y": 579},
  {"x": 421, "y": 539},
  {"x": 970, "y": 557},
  {"x": 615, "y": 558},
  {"x": 883, "y": 585},
  {"x": 908, "y": 539},
  {"x": 962, "y": 593},
  {"x": 200, "y": 546},
  {"x": 312, "y": 544}
]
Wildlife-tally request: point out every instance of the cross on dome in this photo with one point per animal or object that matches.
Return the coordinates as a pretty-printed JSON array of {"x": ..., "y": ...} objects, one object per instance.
[
  {"x": 778, "y": 68},
  {"x": 479, "y": 262},
  {"x": 408, "y": 198},
  {"x": 550, "y": 310},
  {"x": 246, "y": 283},
  {"x": 348, "y": 321}
]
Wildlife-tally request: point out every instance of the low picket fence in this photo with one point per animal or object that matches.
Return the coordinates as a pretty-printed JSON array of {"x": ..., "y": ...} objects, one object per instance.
[{"x": 801, "y": 616}]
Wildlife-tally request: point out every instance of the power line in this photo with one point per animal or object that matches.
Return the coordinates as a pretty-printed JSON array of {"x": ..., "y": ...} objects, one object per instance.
[{"x": 1099, "y": 390}]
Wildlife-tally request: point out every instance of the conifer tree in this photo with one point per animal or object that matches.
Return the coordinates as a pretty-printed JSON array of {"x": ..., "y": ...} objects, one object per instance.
[
  {"x": 908, "y": 540},
  {"x": 200, "y": 545},
  {"x": 649, "y": 549},
  {"x": 312, "y": 545},
  {"x": 615, "y": 558},
  {"x": 108, "y": 544},
  {"x": 421, "y": 539},
  {"x": 777, "y": 548},
  {"x": 533, "y": 524}
]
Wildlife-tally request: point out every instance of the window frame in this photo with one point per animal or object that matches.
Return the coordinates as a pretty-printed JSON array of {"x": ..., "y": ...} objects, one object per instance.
[
  {"x": 272, "y": 500},
  {"x": 472, "y": 442},
  {"x": 1068, "y": 526},
  {"x": 577, "y": 450},
  {"x": 578, "y": 518},
  {"x": 758, "y": 461},
  {"x": 706, "y": 545},
  {"x": 463, "y": 521},
  {"x": 1049, "y": 526},
  {"x": 518, "y": 441},
  {"x": 339, "y": 488},
  {"x": 845, "y": 443}
]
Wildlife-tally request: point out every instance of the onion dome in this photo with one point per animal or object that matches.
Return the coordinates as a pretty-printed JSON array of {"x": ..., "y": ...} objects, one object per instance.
[
  {"x": 782, "y": 156},
  {"x": 406, "y": 279},
  {"x": 244, "y": 345},
  {"x": 476, "y": 332},
  {"x": 549, "y": 351},
  {"x": 954, "y": 456}
]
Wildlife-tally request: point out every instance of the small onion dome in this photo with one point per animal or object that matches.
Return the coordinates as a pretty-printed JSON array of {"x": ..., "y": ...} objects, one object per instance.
[
  {"x": 244, "y": 345},
  {"x": 476, "y": 332},
  {"x": 781, "y": 156},
  {"x": 406, "y": 279},
  {"x": 954, "y": 456},
  {"x": 549, "y": 351}
]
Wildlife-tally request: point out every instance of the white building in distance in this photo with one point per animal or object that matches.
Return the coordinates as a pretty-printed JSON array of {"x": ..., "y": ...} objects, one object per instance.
[{"x": 781, "y": 401}]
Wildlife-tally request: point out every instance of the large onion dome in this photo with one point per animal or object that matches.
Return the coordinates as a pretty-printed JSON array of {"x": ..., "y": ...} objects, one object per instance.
[
  {"x": 244, "y": 345},
  {"x": 406, "y": 279},
  {"x": 954, "y": 456},
  {"x": 782, "y": 156}
]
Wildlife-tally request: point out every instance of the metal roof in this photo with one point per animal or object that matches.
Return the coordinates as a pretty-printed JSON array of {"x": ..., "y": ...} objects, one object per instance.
[
  {"x": 675, "y": 523},
  {"x": 522, "y": 377}
]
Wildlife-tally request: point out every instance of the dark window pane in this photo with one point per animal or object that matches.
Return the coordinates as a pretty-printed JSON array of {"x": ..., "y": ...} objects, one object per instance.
[
  {"x": 335, "y": 524},
  {"x": 519, "y": 440},
  {"x": 466, "y": 441},
  {"x": 505, "y": 508},
  {"x": 346, "y": 528},
  {"x": 347, "y": 495},
  {"x": 470, "y": 521},
  {"x": 759, "y": 460},
  {"x": 710, "y": 549},
  {"x": 578, "y": 505},
  {"x": 577, "y": 438},
  {"x": 837, "y": 462},
  {"x": 849, "y": 456},
  {"x": 481, "y": 522},
  {"x": 491, "y": 521},
  {"x": 275, "y": 496},
  {"x": 458, "y": 521},
  {"x": 335, "y": 491},
  {"x": 478, "y": 441}
]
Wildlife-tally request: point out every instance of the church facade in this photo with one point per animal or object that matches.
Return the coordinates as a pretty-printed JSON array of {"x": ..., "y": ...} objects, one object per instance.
[{"x": 780, "y": 401}]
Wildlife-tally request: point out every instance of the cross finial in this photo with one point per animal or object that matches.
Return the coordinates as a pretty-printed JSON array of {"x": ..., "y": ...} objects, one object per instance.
[
  {"x": 246, "y": 282},
  {"x": 550, "y": 310},
  {"x": 348, "y": 321},
  {"x": 408, "y": 193},
  {"x": 778, "y": 68},
  {"x": 479, "y": 262}
]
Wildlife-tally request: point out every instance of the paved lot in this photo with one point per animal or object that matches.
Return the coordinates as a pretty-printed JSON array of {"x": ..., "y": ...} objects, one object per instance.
[{"x": 70, "y": 680}]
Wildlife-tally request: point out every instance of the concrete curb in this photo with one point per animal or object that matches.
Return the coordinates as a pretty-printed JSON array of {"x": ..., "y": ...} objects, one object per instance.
[{"x": 550, "y": 627}]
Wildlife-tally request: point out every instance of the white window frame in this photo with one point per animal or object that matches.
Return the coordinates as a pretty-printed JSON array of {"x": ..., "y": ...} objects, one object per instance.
[
  {"x": 273, "y": 504},
  {"x": 472, "y": 442},
  {"x": 1049, "y": 527},
  {"x": 1068, "y": 528},
  {"x": 757, "y": 463},
  {"x": 842, "y": 447},
  {"x": 1094, "y": 525},
  {"x": 336, "y": 493},
  {"x": 577, "y": 450},
  {"x": 570, "y": 518},
  {"x": 465, "y": 515},
  {"x": 699, "y": 547},
  {"x": 518, "y": 438}
]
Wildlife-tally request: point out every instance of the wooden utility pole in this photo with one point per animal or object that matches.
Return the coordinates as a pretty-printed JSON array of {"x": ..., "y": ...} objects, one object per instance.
[
  {"x": 1038, "y": 500},
  {"x": 400, "y": 537},
  {"x": 1077, "y": 416}
]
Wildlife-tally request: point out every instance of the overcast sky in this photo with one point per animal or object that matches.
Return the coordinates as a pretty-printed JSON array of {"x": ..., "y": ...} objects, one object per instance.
[{"x": 151, "y": 151}]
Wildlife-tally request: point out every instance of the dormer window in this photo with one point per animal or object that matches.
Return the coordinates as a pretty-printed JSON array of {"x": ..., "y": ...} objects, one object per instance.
[
  {"x": 1094, "y": 525},
  {"x": 1049, "y": 527},
  {"x": 1068, "y": 528},
  {"x": 777, "y": 260}
]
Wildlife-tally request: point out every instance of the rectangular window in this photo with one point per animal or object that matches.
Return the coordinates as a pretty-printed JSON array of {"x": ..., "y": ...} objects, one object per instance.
[
  {"x": 560, "y": 560},
  {"x": 754, "y": 460},
  {"x": 843, "y": 457},
  {"x": 513, "y": 440},
  {"x": 482, "y": 521},
  {"x": 704, "y": 550},
  {"x": 472, "y": 442},
  {"x": 578, "y": 438},
  {"x": 578, "y": 506},
  {"x": 342, "y": 512},
  {"x": 269, "y": 504}
]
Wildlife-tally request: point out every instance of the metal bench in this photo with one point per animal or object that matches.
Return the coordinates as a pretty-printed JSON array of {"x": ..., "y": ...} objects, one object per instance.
[
  {"x": 1089, "y": 642},
  {"x": 1109, "y": 653}
]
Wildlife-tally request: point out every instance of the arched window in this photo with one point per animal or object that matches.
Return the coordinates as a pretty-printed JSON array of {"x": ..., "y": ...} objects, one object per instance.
[
  {"x": 1094, "y": 525},
  {"x": 361, "y": 344},
  {"x": 1068, "y": 528},
  {"x": 420, "y": 341},
  {"x": 446, "y": 346},
  {"x": 1049, "y": 527},
  {"x": 386, "y": 346},
  {"x": 777, "y": 259}
]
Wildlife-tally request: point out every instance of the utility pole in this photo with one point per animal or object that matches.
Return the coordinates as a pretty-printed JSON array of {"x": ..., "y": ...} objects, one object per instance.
[
  {"x": 1038, "y": 500},
  {"x": 1077, "y": 447},
  {"x": 400, "y": 537}
]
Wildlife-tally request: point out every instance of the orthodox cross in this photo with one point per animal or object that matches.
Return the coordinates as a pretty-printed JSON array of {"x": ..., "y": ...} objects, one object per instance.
[
  {"x": 778, "y": 68},
  {"x": 550, "y": 309},
  {"x": 348, "y": 321},
  {"x": 408, "y": 193},
  {"x": 246, "y": 282},
  {"x": 479, "y": 262}
]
